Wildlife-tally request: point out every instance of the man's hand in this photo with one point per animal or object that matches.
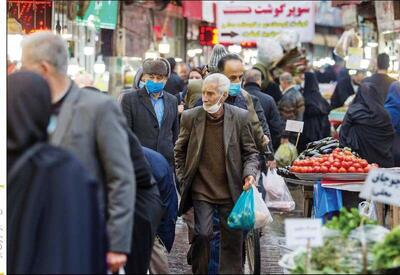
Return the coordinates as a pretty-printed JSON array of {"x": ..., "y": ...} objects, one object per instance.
[
  {"x": 266, "y": 139},
  {"x": 248, "y": 181},
  {"x": 115, "y": 261},
  {"x": 181, "y": 108},
  {"x": 271, "y": 164}
]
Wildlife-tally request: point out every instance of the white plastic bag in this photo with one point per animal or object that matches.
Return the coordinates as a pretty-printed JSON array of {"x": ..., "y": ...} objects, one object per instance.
[
  {"x": 277, "y": 194},
  {"x": 262, "y": 216},
  {"x": 367, "y": 209}
]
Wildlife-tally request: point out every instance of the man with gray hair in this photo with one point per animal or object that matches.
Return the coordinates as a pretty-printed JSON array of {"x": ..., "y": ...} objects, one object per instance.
[
  {"x": 151, "y": 112},
  {"x": 291, "y": 105},
  {"x": 214, "y": 156},
  {"x": 92, "y": 126}
]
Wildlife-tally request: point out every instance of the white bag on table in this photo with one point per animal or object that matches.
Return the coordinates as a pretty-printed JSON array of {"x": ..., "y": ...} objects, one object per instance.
[{"x": 277, "y": 193}]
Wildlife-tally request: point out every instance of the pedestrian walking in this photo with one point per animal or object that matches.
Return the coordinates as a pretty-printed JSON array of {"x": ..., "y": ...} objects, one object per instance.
[
  {"x": 165, "y": 237},
  {"x": 291, "y": 105},
  {"x": 215, "y": 154},
  {"x": 54, "y": 225},
  {"x": 174, "y": 84},
  {"x": 252, "y": 84},
  {"x": 92, "y": 127},
  {"x": 152, "y": 113},
  {"x": 380, "y": 79},
  {"x": 149, "y": 210},
  {"x": 392, "y": 105}
]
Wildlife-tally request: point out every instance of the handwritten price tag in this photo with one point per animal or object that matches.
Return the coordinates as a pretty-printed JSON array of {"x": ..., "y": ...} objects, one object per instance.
[
  {"x": 303, "y": 232},
  {"x": 294, "y": 126},
  {"x": 382, "y": 186}
]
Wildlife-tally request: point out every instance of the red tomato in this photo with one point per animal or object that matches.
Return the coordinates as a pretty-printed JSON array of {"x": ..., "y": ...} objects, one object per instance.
[
  {"x": 294, "y": 169},
  {"x": 356, "y": 165},
  {"x": 366, "y": 169},
  {"x": 342, "y": 170},
  {"x": 346, "y": 164},
  {"x": 364, "y": 163},
  {"x": 317, "y": 169},
  {"x": 348, "y": 158},
  {"x": 327, "y": 164},
  {"x": 324, "y": 169},
  {"x": 347, "y": 152},
  {"x": 360, "y": 170},
  {"x": 333, "y": 170},
  {"x": 339, "y": 157},
  {"x": 352, "y": 169},
  {"x": 337, "y": 164},
  {"x": 331, "y": 159},
  {"x": 296, "y": 163}
]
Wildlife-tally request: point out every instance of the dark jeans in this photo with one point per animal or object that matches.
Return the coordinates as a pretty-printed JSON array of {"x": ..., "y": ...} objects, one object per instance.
[{"x": 231, "y": 240}]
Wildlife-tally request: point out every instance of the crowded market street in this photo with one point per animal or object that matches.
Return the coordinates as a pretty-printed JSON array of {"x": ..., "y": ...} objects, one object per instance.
[{"x": 201, "y": 137}]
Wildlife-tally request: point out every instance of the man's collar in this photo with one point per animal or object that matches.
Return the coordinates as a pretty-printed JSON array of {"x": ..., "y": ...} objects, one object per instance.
[
  {"x": 65, "y": 92},
  {"x": 288, "y": 88},
  {"x": 252, "y": 84},
  {"x": 153, "y": 97}
]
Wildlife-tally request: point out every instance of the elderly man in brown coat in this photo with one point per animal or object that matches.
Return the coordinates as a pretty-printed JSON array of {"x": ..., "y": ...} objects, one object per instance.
[{"x": 214, "y": 156}]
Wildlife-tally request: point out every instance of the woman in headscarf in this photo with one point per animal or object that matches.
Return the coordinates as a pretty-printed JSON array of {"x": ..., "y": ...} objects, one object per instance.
[
  {"x": 316, "y": 121},
  {"x": 392, "y": 105},
  {"x": 367, "y": 128},
  {"x": 54, "y": 224}
]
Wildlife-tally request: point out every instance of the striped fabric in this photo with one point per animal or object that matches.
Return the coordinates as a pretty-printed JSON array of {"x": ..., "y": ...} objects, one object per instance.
[{"x": 217, "y": 53}]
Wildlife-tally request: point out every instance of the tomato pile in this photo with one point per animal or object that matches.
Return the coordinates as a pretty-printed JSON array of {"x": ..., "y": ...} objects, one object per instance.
[{"x": 339, "y": 161}]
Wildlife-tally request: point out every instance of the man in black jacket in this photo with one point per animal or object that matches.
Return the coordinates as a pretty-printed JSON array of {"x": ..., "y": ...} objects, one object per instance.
[
  {"x": 152, "y": 113},
  {"x": 380, "y": 79},
  {"x": 174, "y": 84},
  {"x": 252, "y": 85}
]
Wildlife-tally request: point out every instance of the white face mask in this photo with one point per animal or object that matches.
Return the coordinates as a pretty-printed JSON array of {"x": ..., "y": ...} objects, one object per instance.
[{"x": 214, "y": 108}]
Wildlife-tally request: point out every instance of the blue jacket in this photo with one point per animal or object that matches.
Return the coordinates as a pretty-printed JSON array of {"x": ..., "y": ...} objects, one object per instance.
[{"x": 162, "y": 173}]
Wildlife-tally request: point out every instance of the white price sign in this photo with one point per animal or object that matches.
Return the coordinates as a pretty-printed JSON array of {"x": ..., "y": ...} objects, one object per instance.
[
  {"x": 294, "y": 126},
  {"x": 382, "y": 186},
  {"x": 303, "y": 232}
]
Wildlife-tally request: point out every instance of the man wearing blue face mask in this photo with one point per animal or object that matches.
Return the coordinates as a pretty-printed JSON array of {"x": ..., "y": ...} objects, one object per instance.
[{"x": 151, "y": 112}]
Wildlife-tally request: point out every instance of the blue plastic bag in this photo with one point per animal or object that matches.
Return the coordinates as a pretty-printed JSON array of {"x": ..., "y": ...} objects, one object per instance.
[
  {"x": 242, "y": 216},
  {"x": 326, "y": 200}
]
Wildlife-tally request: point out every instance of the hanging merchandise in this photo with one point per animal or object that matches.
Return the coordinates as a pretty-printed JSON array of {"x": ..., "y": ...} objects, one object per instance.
[
  {"x": 348, "y": 39},
  {"x": 277, "y": 193}
]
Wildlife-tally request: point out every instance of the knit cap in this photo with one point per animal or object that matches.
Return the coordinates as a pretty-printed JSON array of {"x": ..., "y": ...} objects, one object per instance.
[{"x": 217, "y": 53}]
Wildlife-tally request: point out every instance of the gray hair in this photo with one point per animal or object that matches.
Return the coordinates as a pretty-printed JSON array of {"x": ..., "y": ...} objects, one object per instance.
[
  {"x": 221, "y": 80},
  {"x": 252, "y": 76},
  {"x": 49, "y": 47},
  {"x": 286, "y": 77}
]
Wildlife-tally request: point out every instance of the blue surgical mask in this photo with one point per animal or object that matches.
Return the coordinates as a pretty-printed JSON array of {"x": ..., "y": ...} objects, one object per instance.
[
  {"x": 234, "y": 89},
  {"x": 142, "y": 84},
  {"x": 154, "y": 87}
]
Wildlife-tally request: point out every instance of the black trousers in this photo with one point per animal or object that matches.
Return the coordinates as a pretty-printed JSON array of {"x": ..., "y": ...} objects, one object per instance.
[{"x": 231, "y": 240}]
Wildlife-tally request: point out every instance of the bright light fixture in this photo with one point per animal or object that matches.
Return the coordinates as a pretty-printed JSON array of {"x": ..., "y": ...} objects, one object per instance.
[
  {"x": 99, "y": 67},
  {"x": 364, "y": 64},
  {"x": 369, "y": 73},
  {"x": 164, "y": 46},
  {"x": 73, "y": 67},
  {"x": 368, "y": 52},
  {"x": 191, "y": 53},
  {"x": 88, "y": 50},
  {"x": 352, "y": 72},
  {"x": 372, "y": 44},
  {"x": 178, "y": 59},
  {"x": 235, "y": 49},
  {"x": 198, "y": 51},
  {"x": 151, "y": 53},
  {"x": 14, "y": 49}
]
